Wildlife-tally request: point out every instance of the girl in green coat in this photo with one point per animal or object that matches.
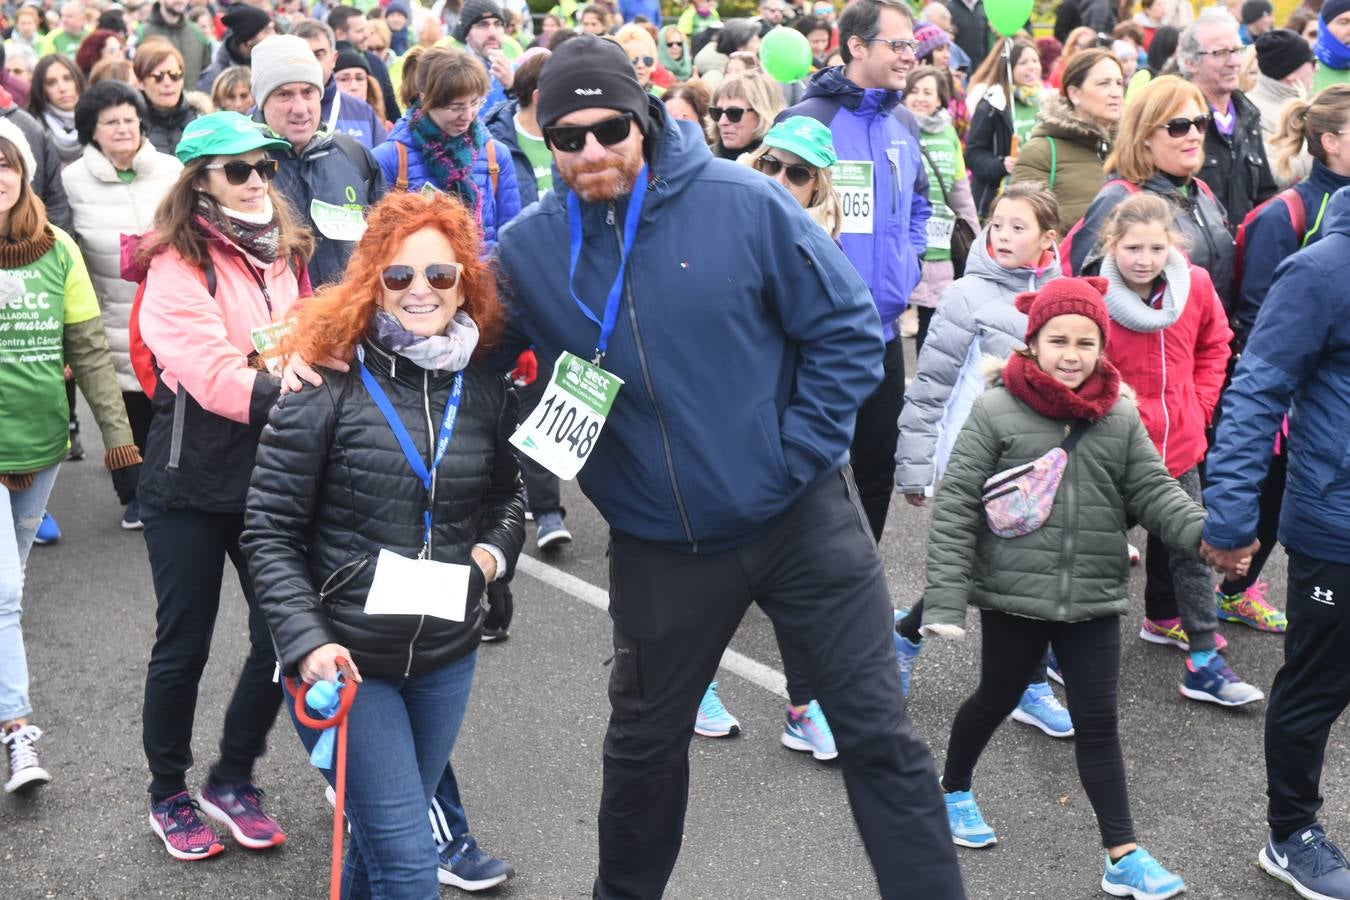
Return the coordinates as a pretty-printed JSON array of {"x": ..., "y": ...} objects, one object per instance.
[{"x": 1064, "y": 583}]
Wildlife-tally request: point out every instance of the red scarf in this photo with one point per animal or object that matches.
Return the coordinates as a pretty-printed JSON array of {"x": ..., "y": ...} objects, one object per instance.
[{"x": 1025, "y": 380}]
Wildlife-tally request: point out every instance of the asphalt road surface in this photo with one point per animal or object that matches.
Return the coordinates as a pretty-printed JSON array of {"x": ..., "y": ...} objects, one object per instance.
[{"x": 763, "y": 822}]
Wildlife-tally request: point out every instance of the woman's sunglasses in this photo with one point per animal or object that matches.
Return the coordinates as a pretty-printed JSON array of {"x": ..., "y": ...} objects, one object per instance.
[
  {"x": 237, "y": 172},
  {"x": 798, "y": 175},
  {"x": 571, "y": 138},
  {"x": 646, "y": 61},
  {"x": 673, "y": 44},
  {"x": 161, "y": 77},
  {"x": 733, "y": 113},
  {"x": 1178, "y": 128},
  {"x": 440, "y": 276}
]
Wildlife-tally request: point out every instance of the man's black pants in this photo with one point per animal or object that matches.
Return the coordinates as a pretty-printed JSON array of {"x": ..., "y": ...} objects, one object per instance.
[{"x": 875, "y": 434}]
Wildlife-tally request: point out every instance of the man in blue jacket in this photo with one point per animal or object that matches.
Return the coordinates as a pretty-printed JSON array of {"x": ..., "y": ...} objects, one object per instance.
[
  {"x": 884, "y": 193},
  {"x": 746, "y": 343},
  {"x": 1297, "y": 358}
]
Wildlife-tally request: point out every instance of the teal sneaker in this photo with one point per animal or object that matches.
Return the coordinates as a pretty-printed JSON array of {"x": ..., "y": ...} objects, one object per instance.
[
  {"x": 713, "y": 720},
  {"x": 810, "y": 733},
  {"x": 1140, "y": 876},
  {"x": 1040, "y": 708},
  {"x": 906, "y": 651},
  {"x": 968, "y": 827}
]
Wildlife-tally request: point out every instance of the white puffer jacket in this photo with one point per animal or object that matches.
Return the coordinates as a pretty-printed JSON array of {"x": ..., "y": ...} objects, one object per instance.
[{"x": 104, "y": 208}]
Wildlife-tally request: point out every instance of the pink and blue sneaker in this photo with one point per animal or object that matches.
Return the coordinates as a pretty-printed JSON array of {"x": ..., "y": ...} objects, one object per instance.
[
  {"x": 175, "y": 821},
  {"x": 239, "y": 808}
]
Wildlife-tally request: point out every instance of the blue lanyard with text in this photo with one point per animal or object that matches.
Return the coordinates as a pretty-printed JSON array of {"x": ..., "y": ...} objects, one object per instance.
[
  {"x": 630, "y": 226},
  {"x": 405, "y": 440}
]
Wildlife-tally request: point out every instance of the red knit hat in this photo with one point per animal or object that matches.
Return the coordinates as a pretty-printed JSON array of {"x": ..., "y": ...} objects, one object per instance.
[{"x": 1066, "y": 297}]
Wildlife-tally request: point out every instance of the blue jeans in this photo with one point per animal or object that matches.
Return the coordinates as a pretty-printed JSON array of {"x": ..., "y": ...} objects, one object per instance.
[
  {"x": 399, "y": 735},
  {"x": 20, "y": 515}
]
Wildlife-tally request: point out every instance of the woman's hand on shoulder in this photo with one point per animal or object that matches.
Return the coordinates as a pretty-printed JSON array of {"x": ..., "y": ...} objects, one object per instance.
[
  {"x": 320, "y": 664},
  {"x": 298, "y": 372}
]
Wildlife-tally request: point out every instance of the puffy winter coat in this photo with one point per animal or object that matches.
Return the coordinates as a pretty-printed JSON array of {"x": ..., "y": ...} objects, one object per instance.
[
  {"x": 332, "y": 488},
  {"x": 975, "y": 319},
  {"x": 1074, "y": 567},
  {"x": 1298, "y": 356},
  {"x": 1065, "y": 153},
  {"x": 1176, "y": 370},
  {"x": 871, "y": 127},
  {"x": 1235, "y": 167},
  {"x": 497, "y": 209},
  {"x": 105, "y": 208},
  {"x": 164, "y": 127},
  {"x": 354, "y": 117},
  {"x": 501, "y": 124}
]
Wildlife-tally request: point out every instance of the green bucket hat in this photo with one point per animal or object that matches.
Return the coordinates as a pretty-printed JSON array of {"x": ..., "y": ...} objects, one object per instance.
[
  {"x": 223, "y": 134},
  {"x": 806, "y": 137}
]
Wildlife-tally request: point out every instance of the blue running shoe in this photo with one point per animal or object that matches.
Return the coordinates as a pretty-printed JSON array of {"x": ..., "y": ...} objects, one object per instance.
[
  {"x": 968, "y": 827},
  {"x": 713, "y": 720},
  {"x": 1052, "y": 670},
  {"x": 1140, "y": 876},
  {"x": 906, "y": 651},
  {"x": 1309, "y": 863},
  {"x": 469, "y": 867},
  {"x": 810, "y": 733},
  {"x": 1216, "y": 683},
  {"x": 1039, "y": 708},
  {"x": 47, "y": 532}
]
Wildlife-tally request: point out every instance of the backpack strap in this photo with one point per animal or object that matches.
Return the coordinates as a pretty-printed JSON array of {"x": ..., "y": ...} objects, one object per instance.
[
  {"x": 1054, "y": 158},
  {"x": 946, "y": 198},
  {"x": 401, "y": 183},
  {"x": 493, "y": 168},
  {"x": 209, "y": 274},
  {"x": 1076, "y": 432}
]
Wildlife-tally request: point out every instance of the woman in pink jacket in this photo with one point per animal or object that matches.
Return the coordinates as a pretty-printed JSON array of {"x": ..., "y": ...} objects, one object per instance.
[{"x": 221, "y": 281}]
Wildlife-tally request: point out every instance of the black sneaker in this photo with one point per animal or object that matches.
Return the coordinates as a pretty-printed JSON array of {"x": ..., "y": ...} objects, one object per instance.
[
  {"x": 500, "y": 608},
  {"x": 76, "y": 448}
]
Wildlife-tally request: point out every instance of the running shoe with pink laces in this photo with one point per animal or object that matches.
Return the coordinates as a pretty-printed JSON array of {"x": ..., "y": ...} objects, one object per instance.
[
  {"x": 1170, "y": 632},
  {"x": 184, "y": 834},
  {"x": 1250, "y": 608},
  {"x": 239, "y": 807}
]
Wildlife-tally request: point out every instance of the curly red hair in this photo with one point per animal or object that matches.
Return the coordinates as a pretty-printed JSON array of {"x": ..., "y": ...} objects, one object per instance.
[{"x": 334, "y": 321}]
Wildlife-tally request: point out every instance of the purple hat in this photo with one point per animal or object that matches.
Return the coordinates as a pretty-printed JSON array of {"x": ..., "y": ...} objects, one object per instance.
[{"x": 930, "y": 38}]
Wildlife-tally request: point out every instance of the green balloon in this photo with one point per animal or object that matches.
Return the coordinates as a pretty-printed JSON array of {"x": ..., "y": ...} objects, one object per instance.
[
  {"x": 785, "y": 54},
  {"x": 1008, "y": 17}
]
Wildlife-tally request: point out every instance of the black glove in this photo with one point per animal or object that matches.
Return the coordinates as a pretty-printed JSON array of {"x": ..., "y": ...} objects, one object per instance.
[
  {"x": 500, "y": 606},
  {"x": 125, "y": 481}
]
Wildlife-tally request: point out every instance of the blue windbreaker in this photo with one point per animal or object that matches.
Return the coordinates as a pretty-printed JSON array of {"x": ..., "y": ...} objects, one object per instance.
[
  {"x": 1298, "y": 355},
  {"x": 871, "y": 126},
  {"x": 745, "y": 340}
]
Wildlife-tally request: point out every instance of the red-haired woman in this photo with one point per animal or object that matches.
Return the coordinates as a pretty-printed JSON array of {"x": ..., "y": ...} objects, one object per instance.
[{"x": 397, "y": 471}]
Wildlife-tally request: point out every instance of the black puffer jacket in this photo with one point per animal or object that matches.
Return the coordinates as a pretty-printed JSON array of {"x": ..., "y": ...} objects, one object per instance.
[
  {"x": 1236, "y": 168},
  {"x": 331, "y": 488},
  {"x": 164, "y": 127}
]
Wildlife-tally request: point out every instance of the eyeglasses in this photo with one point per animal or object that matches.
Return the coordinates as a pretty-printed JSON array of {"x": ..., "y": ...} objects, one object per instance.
[
  {"x": 898, "y": 47},
  {"x": 460, "y": 109},
  {"x": 237, "y": 172},
  {"x": 733, "y": 113},
  {"x": 1178, "y": 128},
  {"x": 571, "y": 138},
  {"x": 673, "y": 44},
  {"x": 161, "y": 77},
  {"x": 439, "y": 276},
  {"x": 798, "y": 175},
  {"x": 641, "y": 61},
  {"x": 130, "y": 122},
  {"x": 1223, "y": 54}
]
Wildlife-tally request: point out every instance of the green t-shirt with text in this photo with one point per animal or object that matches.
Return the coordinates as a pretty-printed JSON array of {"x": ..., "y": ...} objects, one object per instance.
[{"x": 541, "y": 160}]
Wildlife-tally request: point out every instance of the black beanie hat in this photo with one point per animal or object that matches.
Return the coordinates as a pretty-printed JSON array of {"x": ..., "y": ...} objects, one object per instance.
[
  {"x": 245, "y": 22},
  {"x": 1253, "y": 10},
  {"x": 1280, "y": 53},
  {"x": 588, "y": 71},
  {"x": 471, "y": 12},
  {"x": 351, "y": 59}
]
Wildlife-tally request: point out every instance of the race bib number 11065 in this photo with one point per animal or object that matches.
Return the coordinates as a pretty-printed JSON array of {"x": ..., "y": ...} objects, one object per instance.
[{"x": 853, "y": 182}]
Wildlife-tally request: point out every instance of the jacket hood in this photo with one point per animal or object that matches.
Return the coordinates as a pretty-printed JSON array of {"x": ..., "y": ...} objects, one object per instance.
[
  {"x": 1337, "y": 218},
  {"x": 1128, "y": 311},
  {"x": 1058, "y": 120},
  {"x": 1026, "y": 278},
  {"x": 831, "y": 83}
]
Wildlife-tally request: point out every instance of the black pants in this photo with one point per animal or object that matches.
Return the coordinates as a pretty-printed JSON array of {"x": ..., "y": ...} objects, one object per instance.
[
  {"x": 1311, "y": 690},
  {"x": 925, "y": 316},
  {"x": 139, "y": 413},
  {"x": 814, "y": 570},
  {"x": 908, "y": 627},
  {"x": 1268, "y": 525},
  {"x": 874, "y": 437},
  {"x": 187, "y": 561},
  {"x": 1089, "y": 653}
]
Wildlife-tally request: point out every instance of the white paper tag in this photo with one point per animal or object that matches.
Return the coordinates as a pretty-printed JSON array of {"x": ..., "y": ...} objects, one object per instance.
[
  {"x": 564, "y": 428},
  {"x": 337, "y": 223},
  {"x": 940, "y": 233},
  {"x": 853, "y": 182},
  {"x": 418, "y": 587},
  {"x": 267, "y": 341}
]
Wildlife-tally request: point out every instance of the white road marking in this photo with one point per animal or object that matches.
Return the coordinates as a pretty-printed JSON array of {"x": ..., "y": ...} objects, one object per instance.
[{"x": 766, "y": 677}]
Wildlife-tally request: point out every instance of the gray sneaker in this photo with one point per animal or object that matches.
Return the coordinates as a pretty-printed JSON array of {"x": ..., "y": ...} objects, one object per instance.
[
  {"x": 1309, "y": 863},
  {"x": 550, "y": 532}
]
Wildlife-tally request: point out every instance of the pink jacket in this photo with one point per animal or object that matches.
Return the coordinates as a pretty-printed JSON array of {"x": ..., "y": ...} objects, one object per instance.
[{"x": 204, "y": 343}]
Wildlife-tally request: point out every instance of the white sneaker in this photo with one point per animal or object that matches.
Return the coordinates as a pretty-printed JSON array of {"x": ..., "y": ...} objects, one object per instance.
[
  {"x": 24, "y": 771},
  {"x": 1133, "y": 552}
]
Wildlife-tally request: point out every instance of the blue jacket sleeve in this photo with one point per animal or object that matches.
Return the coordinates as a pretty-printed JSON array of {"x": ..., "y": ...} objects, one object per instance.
[
  {"x": 1269, "y": 239},
  {"x": 386, "y": 155},
  {"x": 508, "y": 187},
  {"x": 1291, "y": 330}
]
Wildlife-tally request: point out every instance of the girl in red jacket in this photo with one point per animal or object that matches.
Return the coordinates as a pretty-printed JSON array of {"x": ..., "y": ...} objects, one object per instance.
[{"x": 1170, "y": 339}]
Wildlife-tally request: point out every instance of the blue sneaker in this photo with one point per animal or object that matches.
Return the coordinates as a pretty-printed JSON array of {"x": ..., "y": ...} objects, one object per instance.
[
  {"x": 968, "y": 827},
  {"x": 1039, "y": 708},
  {"x": 906, "y": 651},
  {"x": 1140, "y": 876},
  {"x": 713, "y": 720},
  {"x": 47, "y": 532},
  {"x": 1052, "y": 670},
  {"x": 469, "y": 867},
  {"x": 810, "y": 733},
  {"x": 131, "y": 516},
  {"x": 1309, "y": 863},
  {"x": 1216, "y": 683}
]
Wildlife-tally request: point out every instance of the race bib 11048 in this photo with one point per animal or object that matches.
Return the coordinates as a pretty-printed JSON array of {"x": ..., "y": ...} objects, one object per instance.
[{"x": 562, "y": 431}]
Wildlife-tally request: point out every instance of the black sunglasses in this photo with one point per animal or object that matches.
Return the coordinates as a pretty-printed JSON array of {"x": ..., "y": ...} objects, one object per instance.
[
  {"x": 641, "y": 60},
  {"x": 674, "y": 43},
  {"x": 799, "y": 175},
  {"x": 237, "y": 172},
  {"x": 571, "y": 138},
  {"x": 733, "y": 113},
  {"x": 440, "y": 276},
  {"x": 1181, "y": 127}
]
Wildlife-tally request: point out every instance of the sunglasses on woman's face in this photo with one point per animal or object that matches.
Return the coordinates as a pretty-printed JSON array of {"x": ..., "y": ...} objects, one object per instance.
[
  {"x": 161, "y": 77},
  {"x": 439, "y": 276},
  {"x": 673, "y": 44},
  {"x": 572, "y": 138},
  {"x": 641, "y": 61},
  {"x": 237, "y": 172},
  {"x": 798, "y": 175},
  {"x": 733, "y": 113},
  {"x": 1178, "y": 128}
]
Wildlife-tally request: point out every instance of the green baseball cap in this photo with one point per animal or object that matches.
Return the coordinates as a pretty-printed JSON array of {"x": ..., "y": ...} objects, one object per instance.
[
  {"x": 806, "y": 137},
  {"x": 223, "y": 134}
]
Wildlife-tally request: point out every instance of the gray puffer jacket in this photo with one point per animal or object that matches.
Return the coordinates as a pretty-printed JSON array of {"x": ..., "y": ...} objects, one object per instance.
[{"x": 975, "y": 318}]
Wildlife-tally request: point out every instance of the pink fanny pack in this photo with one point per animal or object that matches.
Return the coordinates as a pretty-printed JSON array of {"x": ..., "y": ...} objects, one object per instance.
[{"x": 1017, "y": 501}]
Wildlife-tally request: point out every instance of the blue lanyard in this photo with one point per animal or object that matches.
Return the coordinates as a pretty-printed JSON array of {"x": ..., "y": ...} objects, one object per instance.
[
  {"x": 630, "y": 226},
  {"x": 405, "y": 440}
]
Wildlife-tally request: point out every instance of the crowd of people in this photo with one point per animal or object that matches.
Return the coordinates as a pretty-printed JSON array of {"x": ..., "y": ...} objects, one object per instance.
[{"x": 271, "y": 242}]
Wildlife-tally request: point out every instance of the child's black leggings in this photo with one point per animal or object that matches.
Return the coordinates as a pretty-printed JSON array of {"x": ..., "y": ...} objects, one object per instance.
[{"x": 1089, "y": 656}]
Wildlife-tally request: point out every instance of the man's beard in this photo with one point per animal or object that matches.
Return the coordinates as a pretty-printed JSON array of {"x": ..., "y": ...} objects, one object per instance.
[{"x": 603, "y": 182}]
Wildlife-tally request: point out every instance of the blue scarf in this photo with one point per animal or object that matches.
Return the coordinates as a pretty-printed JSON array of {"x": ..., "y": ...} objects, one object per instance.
[{"x": 1329, "y": 51}]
